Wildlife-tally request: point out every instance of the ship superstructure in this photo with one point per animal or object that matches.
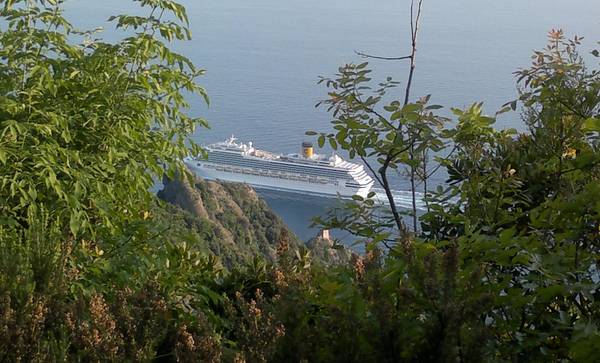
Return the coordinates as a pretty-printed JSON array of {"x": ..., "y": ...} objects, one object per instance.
[{"x": 302, "y": 172}]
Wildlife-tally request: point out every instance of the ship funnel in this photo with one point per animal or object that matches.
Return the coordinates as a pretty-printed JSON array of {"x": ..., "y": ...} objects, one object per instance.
[{"x": 307, "y": 149}]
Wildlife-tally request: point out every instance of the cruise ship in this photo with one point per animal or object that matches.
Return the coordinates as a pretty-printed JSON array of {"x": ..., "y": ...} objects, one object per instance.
[{"x": 304, "y": 172}]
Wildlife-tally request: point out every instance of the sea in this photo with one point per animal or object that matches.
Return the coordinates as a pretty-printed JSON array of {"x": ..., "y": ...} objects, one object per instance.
[{"x": 263, "y": 59}]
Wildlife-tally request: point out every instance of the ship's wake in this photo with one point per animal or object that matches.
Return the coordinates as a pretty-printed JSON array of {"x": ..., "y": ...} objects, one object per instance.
[{"x": 403, "y": 198}]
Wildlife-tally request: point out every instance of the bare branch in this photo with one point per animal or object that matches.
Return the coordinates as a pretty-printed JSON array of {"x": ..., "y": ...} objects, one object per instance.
[
  {"x": 417, "y": 22},
  {"x": 371, "y": 169},
  {"x": 388, "y": 190},
  {"x": 414, "y": 29},
  {"x": 365, "y": 55},
  {"x": 390, "y": 197},
  {"x": 439, "y": 164},
  {"x": 412, "y": 22}
]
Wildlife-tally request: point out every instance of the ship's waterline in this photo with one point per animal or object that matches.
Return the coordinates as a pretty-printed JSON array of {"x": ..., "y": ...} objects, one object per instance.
[{"x": 303, "y": 172}]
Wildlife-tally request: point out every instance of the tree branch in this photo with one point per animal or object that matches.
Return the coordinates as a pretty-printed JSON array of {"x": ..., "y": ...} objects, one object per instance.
[
  {"x": 414, "y": 29},
  {"x": 371, "y": 169},
  {"x": 388, "y": 191},
  {"x": 365, "y": 55},
  {"x": 439, "y": 164}
]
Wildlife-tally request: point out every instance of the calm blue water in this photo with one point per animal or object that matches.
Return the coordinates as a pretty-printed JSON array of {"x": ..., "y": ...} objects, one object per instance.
[{"x": 264, "y": 57}]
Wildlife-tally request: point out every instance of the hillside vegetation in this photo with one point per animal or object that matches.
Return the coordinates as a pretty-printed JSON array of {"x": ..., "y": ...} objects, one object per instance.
[
  {"x": 234, "y": 223},
  {"x": 503, "y": 266}
]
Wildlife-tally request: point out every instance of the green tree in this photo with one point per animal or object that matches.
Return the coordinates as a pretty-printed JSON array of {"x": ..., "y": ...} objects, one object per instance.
[
  {"x": 506, "y": 264},
  {"x": 86, "y": 126}
]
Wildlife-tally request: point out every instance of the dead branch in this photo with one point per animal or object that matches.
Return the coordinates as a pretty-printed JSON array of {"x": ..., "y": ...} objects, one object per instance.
[{"x": 365, "y": 55}]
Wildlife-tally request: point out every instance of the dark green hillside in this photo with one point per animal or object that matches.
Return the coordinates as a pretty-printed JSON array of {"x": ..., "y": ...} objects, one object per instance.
[{"x": 232, "y": 220}]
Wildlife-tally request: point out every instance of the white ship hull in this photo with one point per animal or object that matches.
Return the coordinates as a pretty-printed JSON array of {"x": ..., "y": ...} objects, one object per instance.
[
  {"x": 275, "y": 183},
  {"x": 306, "y": 173}
]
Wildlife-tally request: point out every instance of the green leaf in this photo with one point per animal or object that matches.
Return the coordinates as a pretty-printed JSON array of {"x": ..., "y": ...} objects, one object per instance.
[
  {"x": 591, "y": 124},
  {"x": 333, "y": 143},
  {"x": 507, "y": 234},
  {"x": 74, "y": 224},
  {"x": 411, "y": 107},
  {"x": 397, "y": 115},
  {"x": 353, "y": 124},
  {"x": 321, "y": 140}
]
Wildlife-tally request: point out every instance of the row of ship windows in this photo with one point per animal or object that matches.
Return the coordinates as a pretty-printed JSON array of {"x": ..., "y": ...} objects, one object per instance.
[
  {"x": 280, "y": 176},
  {"x": 270, "y": 175},
  {"x": 282, "y": 167},
  {"x": 231, "y": 156},
  {"x": 236, "y": 159}
]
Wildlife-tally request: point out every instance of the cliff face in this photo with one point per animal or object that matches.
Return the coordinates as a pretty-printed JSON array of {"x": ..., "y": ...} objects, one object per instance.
[
  {"x": 183, "y": 195},
  {"x": 232, "y": 222}
]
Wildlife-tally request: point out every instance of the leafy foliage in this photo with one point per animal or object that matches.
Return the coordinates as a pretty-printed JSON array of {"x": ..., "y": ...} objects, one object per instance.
[
  {"x": 516, "y": 224},
  {"x": 84, "y": 127},
  {"x": 391, "y": 136},
  {"x": 504, "y": 266}
]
